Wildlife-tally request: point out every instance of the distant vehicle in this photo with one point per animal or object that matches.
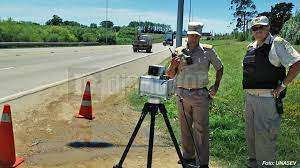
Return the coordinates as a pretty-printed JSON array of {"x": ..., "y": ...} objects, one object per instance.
[
  {"x": 207, "y": 36},
  {"x": 144, "y": 42},
  {"x": 184, "y": 33},
  {"x": 169, "y": 39}
]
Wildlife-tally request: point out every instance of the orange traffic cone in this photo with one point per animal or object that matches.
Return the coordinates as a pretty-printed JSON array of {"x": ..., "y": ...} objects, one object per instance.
[
  {"x": 7, "y": 144},
  {"x": 86, "y": 105}
]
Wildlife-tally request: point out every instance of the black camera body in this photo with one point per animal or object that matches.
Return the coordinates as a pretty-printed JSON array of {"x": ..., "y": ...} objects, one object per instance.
[
  {"x": 188, "y": 59},
  {"x": 185, "y": 55}
]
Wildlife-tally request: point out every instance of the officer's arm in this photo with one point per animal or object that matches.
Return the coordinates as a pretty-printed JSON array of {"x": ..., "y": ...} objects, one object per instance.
[
  {"x": 289, "y": 57},
  {"x": 216, "y": 62},
  {"x": 292, "y": 73},
  {"x": 173, "y": 68},
  {"x": 171, "y": 72},
  {"x": 219, "y": 75}
]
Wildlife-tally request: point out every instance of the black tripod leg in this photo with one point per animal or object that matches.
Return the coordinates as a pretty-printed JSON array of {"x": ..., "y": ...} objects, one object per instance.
[
  {"x": 151, "y": 139},
  {"x": 163, "y": 110},
  {"x": 136, "y": 129}
]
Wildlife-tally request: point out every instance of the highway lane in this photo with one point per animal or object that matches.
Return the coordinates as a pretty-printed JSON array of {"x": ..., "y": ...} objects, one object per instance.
[{"x": 24, "y": 69}]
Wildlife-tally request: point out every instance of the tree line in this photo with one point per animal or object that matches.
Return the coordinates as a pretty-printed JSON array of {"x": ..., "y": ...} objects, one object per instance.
[
  {"x": 279, "y": 15},
  {"x": 16, "y": 31},
  {"x": 58, "y": 30},
  {"x": 144, "y": 27}
]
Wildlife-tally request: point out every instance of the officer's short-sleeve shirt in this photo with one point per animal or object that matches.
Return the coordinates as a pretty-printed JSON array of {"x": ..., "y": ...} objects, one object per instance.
[
  {"x": 214, "y": 59},
  {"x": 196, "y": 75},
  {"x": 281, "y": 53}
]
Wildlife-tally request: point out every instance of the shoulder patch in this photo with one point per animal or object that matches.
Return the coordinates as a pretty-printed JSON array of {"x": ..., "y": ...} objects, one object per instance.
[
  {"x": 250, "y": 45},
  {"x": 207, "y": 46},
  {"x": 179, "y": 49},
  {"x": 279, "y": 39}
]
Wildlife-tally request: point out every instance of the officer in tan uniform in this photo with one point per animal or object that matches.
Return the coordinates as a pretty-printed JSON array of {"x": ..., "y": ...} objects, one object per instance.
[
  {"x": 265, "y": 80},
  {"x": 191, "y": 76}
]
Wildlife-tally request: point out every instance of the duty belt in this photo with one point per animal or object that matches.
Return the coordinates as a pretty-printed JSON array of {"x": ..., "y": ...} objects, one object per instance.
[{"x": 193, "y": 89}]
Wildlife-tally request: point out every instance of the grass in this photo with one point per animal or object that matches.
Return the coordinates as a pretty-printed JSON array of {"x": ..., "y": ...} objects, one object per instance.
[
  {"x": 297, "y": 47},
  {"x": 157, "y": 38},
  {"x": 226, "y": 113}
]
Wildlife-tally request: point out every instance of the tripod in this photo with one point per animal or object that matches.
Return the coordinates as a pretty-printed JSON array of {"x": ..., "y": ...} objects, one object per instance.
[{"x": 152, "y": 107}]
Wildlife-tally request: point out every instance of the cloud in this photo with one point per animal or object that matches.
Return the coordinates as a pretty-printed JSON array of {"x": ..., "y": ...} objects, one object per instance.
[{"x": 87, "y": 15}]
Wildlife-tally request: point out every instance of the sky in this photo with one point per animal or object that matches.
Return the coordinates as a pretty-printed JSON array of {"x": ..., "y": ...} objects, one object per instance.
[{"x": 215, "y": 14}]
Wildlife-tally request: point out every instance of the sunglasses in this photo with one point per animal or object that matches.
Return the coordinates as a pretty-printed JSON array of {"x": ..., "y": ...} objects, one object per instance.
[{"x": 257, "y": 28}]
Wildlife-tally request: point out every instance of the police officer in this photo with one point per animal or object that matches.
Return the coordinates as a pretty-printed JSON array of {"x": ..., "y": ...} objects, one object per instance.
[
  {"x": 265, "y": 80},
  {"x": 191, "y": 76}
]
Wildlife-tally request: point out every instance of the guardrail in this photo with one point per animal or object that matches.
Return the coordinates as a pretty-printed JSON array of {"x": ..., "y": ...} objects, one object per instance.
[{"x": 45, "y": 44}]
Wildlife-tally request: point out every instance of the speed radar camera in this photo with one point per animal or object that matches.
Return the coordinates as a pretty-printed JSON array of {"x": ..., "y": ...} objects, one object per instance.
[{"x": 156, "y": 84}]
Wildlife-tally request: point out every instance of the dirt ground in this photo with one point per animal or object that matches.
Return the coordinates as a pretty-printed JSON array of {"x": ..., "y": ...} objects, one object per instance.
[{"x": 54, "y": 138}]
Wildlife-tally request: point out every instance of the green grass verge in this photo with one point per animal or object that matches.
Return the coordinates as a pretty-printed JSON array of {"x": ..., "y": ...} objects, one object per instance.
[
  {"x": 297, "y": 47},
  {"x": 226, "y": 113}
]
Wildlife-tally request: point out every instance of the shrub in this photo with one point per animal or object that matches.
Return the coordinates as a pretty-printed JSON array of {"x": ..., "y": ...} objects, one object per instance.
[
  {"x": 59, "y": 34},
  {"x": 111, "y": 38},
  {"x": 124, "y": 41},
  {"x": 126, "y": 35},
  {"x": 89, "y": 37}
]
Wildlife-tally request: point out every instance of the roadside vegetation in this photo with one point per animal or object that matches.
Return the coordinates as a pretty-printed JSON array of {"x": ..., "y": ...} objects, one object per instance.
[
  {"x": 226, "y": 114},
  {"x": 57, "y": 30}
]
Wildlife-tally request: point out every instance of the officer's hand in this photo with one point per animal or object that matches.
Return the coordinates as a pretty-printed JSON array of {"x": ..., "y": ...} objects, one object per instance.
[
  {"x": 213, "y": 90},
  {"x": 277, "y": 91},
  {"x": 175, "y": 61}
]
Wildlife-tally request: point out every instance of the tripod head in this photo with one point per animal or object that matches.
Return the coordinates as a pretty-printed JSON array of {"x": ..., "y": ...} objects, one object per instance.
[{"x": 154, "y": 100}]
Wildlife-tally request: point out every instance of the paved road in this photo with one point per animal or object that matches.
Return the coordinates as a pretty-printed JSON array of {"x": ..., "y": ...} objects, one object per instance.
[{"x": 24, "y": 69}]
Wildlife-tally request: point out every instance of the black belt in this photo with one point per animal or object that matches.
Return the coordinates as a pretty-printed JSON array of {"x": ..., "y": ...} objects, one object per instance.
[{"x": 193, "y": 89}]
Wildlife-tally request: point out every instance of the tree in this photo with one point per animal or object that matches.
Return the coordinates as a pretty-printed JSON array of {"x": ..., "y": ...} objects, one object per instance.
[
  {"x": 244, "y": 11},
  {"x": 291, "y": 29},
  {"x": 71, "y": 23},
  {"x": 116, "y": 28},
  {"x": 108, "y": 24},
  {"x": 93, "y": 25},
  {"x": 150, "y": 27},
  {"x": 280, "y": 13},
  {"x": 133, "y": 24},
  {"x": 56, "y": 20}
]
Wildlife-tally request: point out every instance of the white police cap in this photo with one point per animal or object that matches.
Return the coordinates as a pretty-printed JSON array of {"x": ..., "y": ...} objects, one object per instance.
[
  {"x": 195, "y": 28},
  {"x": 260, "y": 20}
]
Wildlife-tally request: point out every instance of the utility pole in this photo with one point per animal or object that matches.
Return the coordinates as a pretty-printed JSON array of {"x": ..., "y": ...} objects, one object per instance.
[
  {"x": 190, "y": 12},
  {"x": 179, "y": 23},
  {"x": 106, "y": 21}
]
